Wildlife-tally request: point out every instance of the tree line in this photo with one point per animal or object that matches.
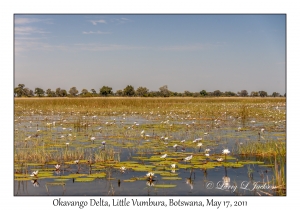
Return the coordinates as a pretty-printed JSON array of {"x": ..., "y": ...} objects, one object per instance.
[{"x": 130, "y": 91}]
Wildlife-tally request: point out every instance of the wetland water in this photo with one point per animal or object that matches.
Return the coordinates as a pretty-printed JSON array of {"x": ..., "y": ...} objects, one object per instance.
[{"x": 130, "y": 150}]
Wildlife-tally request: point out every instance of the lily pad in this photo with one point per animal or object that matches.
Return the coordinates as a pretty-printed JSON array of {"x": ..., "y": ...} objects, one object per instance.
[
  {"x": 98, "y": 175},
  {"x": 35, "y": 164},
  {"x": 22, "y": 178},
  {"x": 71, "y": 176},
  {"x": 129, "y": 180},
  {"x": 84, "y": 179}
]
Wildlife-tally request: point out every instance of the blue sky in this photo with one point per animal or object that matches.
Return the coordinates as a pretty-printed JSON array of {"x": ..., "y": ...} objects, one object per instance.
[{"x": 185, "y": 52}]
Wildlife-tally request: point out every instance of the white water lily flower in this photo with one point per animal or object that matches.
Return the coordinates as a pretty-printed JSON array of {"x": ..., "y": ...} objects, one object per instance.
[
  {"x": 188, "y": 158},
  {"x": 123, "y": 169},
  {"x": 199, "y": 145},
  {"x": 103, "y": 142},
  {"x": 219, "y": 159},
  {"x": 207, "y": 150},
  {"x": 76, "y": 161},
  {"x": 35, "y": 173},
  {"x": 198, "y": 139},
  {"x": 226, "y": 152},
  {"x": 57, "y": 166},
  {"x": 93, "y": 138},
  {"x": 150, "y": 174},
  {"x": 164, "y": 156},
  {"x": 173, "y": 165},
  {"x": 206, "y": 154}
]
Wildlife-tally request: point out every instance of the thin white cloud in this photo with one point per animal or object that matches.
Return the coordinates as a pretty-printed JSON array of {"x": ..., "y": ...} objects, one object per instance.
[
  {"x": 22, "y": 21},
  {"x": 24, "y": 45},
  {"x": 95, "y": 32},
  {"x": 95, "y": 22},
  {"x": 120, "y": 20},
  {"x": 26, "y": 30}
]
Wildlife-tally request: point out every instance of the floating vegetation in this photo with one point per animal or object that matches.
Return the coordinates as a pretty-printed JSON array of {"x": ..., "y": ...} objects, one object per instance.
[
  {"x": 84, "y": 179},
  {"x": 129, "y": 180},
  {"x": 99, "y": 175},
  {"x": 63, "y": 141},
  {"x": 232, "y": 165}
]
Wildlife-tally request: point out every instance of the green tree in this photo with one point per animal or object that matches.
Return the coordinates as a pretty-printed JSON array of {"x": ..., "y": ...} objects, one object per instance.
[
  {"x": 94, "y": 92},
  {"x": 164, "y": 91},
  {"x": 119, "y": 92},
  {"x": 39, "y": 92},
  {"x": 254, "y": 94},
  {"x": 203, "y": 93},
  {"x": 187, "y": 93},
  {"x": 58, "y": 92},
  {"x": 243, "y": 93},
  {"x": 19, "y": 91},
  {"x": 50, "y": 93},
  {"x": 217, "y": 93},
  {"x": 142, "y": 91},
  {"x": 105, "y": 91},
  {"x": 275, "y": 94},
  {"x": 229, "y": 93},
  {"x": 263, "y": 93},
  {"x": 129, "y": 91},
  {"x": 73, "y": 91},
  {"x": 63, "y": 93},
  {"x": 84, "y": 92},
  {"x": 27, "y": 92}
]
